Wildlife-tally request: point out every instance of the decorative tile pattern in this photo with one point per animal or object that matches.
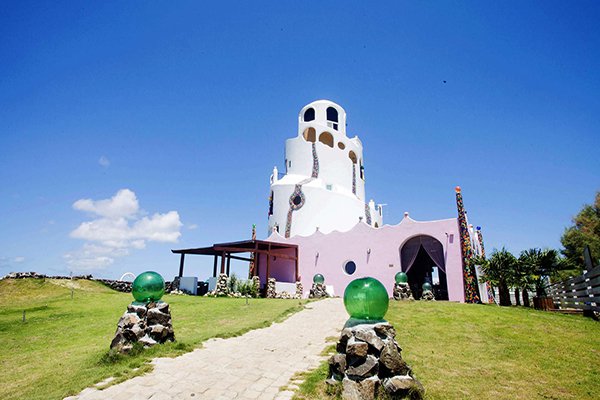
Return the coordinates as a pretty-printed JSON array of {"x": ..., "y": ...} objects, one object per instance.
[
  {"x": 488, "y": 286},
  {"x": 368, "y": 214},
  {"x": 354, "y": 178},
  {"x": 469, "y": 275},
  {"x": 297, "y": 200},
  {"x": 315, "y": 169}
]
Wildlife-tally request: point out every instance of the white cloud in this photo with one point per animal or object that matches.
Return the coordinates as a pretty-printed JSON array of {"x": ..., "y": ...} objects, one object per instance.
[
  {"x": 19, "y": 259},
  {"x": 192, "y": 226},
  {"x": 119, "y": 227},
  {"x": 104, "y": 162},
  {"x": 124, "y": 204}
]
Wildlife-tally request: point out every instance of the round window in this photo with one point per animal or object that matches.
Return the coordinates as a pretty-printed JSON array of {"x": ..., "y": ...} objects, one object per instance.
[
  {"x": 297, "y": 200},
  {"x": 350, "y": 267}
]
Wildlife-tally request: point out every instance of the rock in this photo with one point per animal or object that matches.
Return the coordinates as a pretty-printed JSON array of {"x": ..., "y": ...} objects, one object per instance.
[
  {"x": 128, "y": 320},
  {"x": 367, "y": 334},
  {"x": 318, "y": 291},
  {"x": 404, "y": 385},
  {"x": 385, "y": 330},
  {"x": 391, "y": 360},
  {"x": 365, "y": 370},
  {"x": 427, "y": 296},
  {"x": 356, "y": 348},
  {"x": 337, "y": 366},
  {"x": 367, "y": 355},
  {"x": 137, "y": 309},
  {"x": 148, "y": 324},
  {"x": 299, "y": 290},
  {"x": 360, "y": 390},
  {"x": 271, "y": 292},
  {"x": 402, "y": 291},
  {"x": 157, "y": 317},
  {"x": 147, "y": 341}
]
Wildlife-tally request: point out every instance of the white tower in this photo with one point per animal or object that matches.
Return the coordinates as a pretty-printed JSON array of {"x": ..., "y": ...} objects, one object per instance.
[{"x": 324, "y": 184}]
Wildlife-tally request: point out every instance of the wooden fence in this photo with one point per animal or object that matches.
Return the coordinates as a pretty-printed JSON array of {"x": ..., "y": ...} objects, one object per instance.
[{"x": 581, "y": 293}]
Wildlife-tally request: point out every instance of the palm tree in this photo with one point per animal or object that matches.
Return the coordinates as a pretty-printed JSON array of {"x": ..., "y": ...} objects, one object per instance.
[{"x": 499, "y": 270}]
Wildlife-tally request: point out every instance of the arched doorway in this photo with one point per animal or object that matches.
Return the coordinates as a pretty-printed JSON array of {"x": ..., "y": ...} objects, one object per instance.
[{"x": 422, "y": 258}]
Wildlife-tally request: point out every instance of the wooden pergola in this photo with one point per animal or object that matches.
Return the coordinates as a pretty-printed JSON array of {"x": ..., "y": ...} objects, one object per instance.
[{"x": 227, "y": 250}]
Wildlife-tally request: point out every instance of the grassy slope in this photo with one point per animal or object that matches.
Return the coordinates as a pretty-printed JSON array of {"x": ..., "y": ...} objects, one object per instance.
[
  {"x": 62, "y": 347},
  {"x": 462, "y": 351}
]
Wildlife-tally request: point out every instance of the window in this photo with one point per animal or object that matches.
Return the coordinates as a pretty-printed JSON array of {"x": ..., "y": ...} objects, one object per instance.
[
  {"x": 326, "y": 138},
  {"x": 332, "y": 116},
  {"x": 362, "y": 171},
  {"x": 310, "y": 135},
  {"x": 309, "y": 115},
  {"x": 329, "y": 187},
  {"x": 350, "y": 267},
  {"x": 341, "y": 145},
  {"x": 352, "y": 156}
]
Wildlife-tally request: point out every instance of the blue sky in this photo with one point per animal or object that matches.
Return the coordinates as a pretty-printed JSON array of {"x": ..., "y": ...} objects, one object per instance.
[{"x": 178, "y": 113}]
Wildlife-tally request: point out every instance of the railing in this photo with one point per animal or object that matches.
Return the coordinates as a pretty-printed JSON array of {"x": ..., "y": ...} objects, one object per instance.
[{"x": 582, "y": 292}]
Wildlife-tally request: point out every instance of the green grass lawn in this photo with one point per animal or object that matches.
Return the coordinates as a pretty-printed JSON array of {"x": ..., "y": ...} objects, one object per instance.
[
  {"x": 62, "y": 347},
  {"x": 464, "y": 351}
]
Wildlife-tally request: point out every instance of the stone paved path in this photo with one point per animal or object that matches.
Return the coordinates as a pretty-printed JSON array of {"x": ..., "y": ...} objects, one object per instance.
[{"x": 252, "y": 366}]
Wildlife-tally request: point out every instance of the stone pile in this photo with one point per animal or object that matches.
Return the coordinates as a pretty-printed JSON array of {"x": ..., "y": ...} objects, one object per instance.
[
  {"x": 221, "y": 288},
  {"x": 35, "y": 275},
  {"x": 402, "y": 291},
  {"x": 120, "y": 286},
  {"x": 147, "y": 324},
  {"x": 427, "y": 295},
  {"x": 271, "y": 292},
  {"x": 256, "y": 283},
  {"x": 299, "y": 290},
  {"x": 318, "y": 291},
  {"x": 368, "y": 360}
]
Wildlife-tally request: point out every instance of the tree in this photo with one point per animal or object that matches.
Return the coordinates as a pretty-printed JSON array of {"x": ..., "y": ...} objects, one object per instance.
[
  {"x": 499, "y": 270},
  {"x": 538, "y": 266},
  {"x": 585, "y": 231}
]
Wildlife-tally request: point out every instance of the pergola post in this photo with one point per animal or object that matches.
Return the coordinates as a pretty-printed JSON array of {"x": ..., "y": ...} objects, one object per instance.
[
  {"x": 228, "y": 263},
  {"x": 223, "y": 262},
  {"x": 256, "y": 264},
  {"x": 181, "y": 260},
  {"x": 296, "y": 261},
  {"x": 268, "y": 261},
  {"x": 215, "y": 266}
]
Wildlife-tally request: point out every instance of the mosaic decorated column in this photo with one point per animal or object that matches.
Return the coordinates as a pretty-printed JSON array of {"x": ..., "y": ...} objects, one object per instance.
[
  {"x": 251, "y": 272},
  {"x": 488, "y": 286},
  {"x": 469, "y": 274}
]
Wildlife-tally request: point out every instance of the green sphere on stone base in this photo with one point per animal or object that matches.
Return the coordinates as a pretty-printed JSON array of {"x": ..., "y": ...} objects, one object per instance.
[
  {"x": 401, "y": 277},
  {"x": 148, "y": 286},
  {"x": 318, "y": 278},
  {"x": 426, "y": 286},
  {"x": 366, "y": 299}
]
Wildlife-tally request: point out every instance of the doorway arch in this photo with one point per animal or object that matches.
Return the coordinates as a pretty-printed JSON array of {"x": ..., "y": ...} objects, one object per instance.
[{"x": 422, "y": 259}]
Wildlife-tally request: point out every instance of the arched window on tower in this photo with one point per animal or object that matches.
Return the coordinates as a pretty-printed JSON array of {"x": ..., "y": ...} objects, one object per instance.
[
  {"x": 326, "y": 138},
  {"x": 332, "y": 118},
  {"x": 310, "y": 135},
  {"x": 309, "y": 115},
  {"x": 352, "y": 156}
]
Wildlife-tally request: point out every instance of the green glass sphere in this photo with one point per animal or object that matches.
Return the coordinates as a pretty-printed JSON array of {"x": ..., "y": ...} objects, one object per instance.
[
  {"x": 401, "y": 277},
  {"x": 148, "y": 286},
  {"x": 318, "y": 278},
  {"x": 366, "y": 298},
  {"x": 426, "y": 286}
]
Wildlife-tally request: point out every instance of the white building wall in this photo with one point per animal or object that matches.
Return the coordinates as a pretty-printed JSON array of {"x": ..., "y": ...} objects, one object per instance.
[{"x": 324, "y": 165}]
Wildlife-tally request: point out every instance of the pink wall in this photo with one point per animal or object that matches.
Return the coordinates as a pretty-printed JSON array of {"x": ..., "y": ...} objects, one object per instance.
[
  {"x": 283, "y": 270},
  {"x": 383, "y": 261}
]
